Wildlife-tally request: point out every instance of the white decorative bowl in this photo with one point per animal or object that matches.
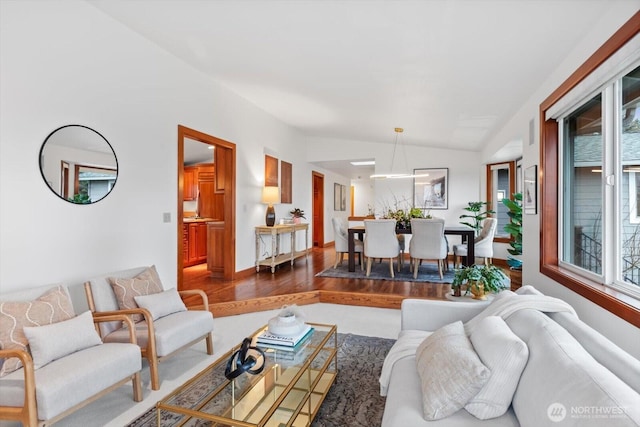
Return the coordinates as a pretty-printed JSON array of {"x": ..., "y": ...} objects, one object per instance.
[{"x": 286, "y": 326}]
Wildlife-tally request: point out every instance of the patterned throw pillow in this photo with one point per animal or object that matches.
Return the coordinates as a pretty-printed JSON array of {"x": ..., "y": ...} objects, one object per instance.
[
  {"x": 52, "y": 307},
  {"x": 126, "y": 289}
]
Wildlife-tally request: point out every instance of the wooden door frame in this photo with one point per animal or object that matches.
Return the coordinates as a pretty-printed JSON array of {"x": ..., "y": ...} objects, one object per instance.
[
  {"x": 318, "y": 221},
  {"x": 229, "y": 200}
]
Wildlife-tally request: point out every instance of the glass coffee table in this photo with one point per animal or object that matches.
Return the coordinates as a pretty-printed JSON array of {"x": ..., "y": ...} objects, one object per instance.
[{"x": 288, "y": 392}]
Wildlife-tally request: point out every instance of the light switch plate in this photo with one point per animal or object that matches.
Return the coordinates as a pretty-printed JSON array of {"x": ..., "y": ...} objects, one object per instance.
[{"x": 166, "y": 217}]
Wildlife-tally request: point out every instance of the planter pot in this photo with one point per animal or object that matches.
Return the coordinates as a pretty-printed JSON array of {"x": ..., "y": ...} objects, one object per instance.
[
  {"x": 457, "y": 292},
  {"x": 516, "y": 278},
  {"x": 297, "y": 220},
  {"x": 477, "y": 290}
]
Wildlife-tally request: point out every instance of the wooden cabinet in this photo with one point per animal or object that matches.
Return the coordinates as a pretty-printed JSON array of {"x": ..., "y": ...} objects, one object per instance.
[
  {"x": 185, "y": 244},
  {"x": 189, "y": 186},
  {"x": 215, "y": 253},
  {"x": 210, "y": 203},
  {"x": 195, "y": 243}
]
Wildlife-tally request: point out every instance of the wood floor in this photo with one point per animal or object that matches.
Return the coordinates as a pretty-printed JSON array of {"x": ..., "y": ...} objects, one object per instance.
[{"x": 297, "y": 284}]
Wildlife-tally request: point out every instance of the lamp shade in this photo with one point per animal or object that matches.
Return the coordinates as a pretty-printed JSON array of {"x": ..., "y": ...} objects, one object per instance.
[{"x": 270, "y": 195}]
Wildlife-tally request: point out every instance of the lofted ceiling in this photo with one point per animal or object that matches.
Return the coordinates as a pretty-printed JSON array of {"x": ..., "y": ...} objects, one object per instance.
[{"x": 450, "y": 72}]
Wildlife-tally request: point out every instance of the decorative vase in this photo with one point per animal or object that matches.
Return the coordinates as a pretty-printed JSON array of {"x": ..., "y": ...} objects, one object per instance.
[
  {"x": 456, "y": 291},
  {"x": 477, "y": 290},
  {"x": 297, "y": 220}
]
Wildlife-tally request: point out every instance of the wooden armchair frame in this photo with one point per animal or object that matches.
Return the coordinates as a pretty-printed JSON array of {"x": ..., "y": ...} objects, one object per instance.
[
  {"x": 150, "y": 351},
  {"x": 28, "y": 413}
]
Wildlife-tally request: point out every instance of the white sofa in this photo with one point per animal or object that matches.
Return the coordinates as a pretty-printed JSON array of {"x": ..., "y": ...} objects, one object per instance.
[{"x": 570, "y": 367}]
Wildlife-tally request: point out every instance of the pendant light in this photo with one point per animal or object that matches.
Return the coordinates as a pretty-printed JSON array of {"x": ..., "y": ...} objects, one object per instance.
[{"x": 393, "y": 174}]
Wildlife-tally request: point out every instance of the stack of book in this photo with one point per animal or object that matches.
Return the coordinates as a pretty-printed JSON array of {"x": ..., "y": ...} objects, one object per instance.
[{"x": 287, "y": 343}]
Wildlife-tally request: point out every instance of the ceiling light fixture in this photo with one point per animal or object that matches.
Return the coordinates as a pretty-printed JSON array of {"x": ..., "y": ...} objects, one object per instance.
[
  {"x": 363, "y": 163},
  {"x": 392, "y": 174}
]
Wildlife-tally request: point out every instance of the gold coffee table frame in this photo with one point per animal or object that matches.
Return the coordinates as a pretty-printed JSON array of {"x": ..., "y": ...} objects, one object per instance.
[{"x": 288, "y": 392}]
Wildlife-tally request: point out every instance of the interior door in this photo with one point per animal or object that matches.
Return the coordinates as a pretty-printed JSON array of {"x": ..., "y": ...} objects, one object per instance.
[
  {"x": 223, "y": 187},
  {"x": 318, "y": 209}
]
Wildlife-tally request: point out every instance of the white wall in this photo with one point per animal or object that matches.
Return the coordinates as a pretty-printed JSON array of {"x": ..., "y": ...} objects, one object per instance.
[
  {"x": 464, "y": 169},
  {"x": 621, "y": 332},
  {"x": 66, "y": 62}
]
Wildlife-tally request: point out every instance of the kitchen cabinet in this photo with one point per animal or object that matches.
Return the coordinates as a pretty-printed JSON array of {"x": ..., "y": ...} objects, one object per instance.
[
  {"x": 189, "y": 183},
  {"x": 195, "y": 243},
  {"x": 215, "y": 252}
]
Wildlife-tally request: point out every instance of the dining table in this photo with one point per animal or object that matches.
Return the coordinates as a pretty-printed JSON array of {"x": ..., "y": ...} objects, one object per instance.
[{"x": 467, "y": 234}]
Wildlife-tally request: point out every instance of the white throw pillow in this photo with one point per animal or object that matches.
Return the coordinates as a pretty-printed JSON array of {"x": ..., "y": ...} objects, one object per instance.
[
  {"x": 52, "y": 342},
  {"x": 450, "y": 371},
  {"x": 506, "y": 355},
  {"x": 161, "y": 304}
]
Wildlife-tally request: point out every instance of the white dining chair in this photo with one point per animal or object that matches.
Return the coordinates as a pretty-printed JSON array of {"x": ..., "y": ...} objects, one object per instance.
[
  {"x": 380, "y": 241},
  {"x": 340, "y": 235},
  {"x": 427, "y": 243},
  {"x": 483, "y": 244}
]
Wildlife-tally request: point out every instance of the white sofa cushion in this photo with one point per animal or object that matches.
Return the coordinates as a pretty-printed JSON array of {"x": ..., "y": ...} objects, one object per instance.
[
  {"x": 52, "y": 306},
  {"x": 505, "y": 355},
  {"x": 170, "y": 333},
  {"x": 51, "y": 342},
  {"x": 563, "y": 382},
  {"x": 162, "y": 303},
  {"x": 127, "y": 288},
  {"x": 450, "y": 371}
]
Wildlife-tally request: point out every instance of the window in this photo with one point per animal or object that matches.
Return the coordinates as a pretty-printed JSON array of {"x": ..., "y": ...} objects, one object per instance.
[
  {"x": 590, "y": 157},
  {"x": 501, "y": 183}
]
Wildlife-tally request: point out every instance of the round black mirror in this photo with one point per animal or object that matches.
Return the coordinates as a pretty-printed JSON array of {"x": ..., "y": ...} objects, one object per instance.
[{"x": 78, "y": 164}]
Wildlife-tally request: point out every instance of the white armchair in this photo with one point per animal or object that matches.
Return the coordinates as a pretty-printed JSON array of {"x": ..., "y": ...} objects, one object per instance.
[
  {"x": 164, "y": 325},
  {"x": 427, "y": 243},
  {"x": 53, "y": 362},
  {"x": 483, "y": 244},
  {"x": 380, "y": 241},
  {"x": 340, "y": 233}
]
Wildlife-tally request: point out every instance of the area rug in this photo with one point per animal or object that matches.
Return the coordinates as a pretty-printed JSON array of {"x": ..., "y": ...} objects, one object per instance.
[
  {"x": 354, "y": 399},
  {"x": 427, "y": 272}
]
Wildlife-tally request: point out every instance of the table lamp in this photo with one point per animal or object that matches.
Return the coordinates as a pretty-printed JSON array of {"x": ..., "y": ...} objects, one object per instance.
[{"x": 270, "y": 195}]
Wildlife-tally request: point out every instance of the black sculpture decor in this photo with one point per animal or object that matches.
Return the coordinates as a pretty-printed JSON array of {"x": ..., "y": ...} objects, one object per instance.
[{"x": 241, "y": 361}]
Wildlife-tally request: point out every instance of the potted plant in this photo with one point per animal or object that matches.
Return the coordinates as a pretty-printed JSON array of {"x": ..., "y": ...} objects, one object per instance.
[
  {"x": 476, "y": 215},
  {"x": 297, "y": 214},
  {"x": 514, "y": 228},
  {"x": 479, "y": 280}
]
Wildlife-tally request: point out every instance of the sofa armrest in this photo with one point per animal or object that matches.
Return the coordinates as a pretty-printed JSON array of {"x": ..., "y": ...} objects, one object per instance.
[
  {"x": 430, "y": 315},
  {"x": 28, "y": 414},
  {"x": 151, "y": 332},
  {"x": 101, "y": 317},
  {"x": 200, "y": 293}
]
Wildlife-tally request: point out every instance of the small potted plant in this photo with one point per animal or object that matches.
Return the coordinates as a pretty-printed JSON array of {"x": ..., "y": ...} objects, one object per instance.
[
  {"x": 479, "y": 280},
  {"x": 297, "y": 215}
]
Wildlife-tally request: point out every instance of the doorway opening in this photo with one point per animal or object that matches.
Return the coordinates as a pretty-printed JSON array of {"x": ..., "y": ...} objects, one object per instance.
[
  {"x": 318, "y": 209},
  {"x": 211, "y": 201}
]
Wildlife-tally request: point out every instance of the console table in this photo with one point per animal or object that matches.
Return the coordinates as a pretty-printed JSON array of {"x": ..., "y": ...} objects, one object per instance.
[{"x": 276, "y": 257}]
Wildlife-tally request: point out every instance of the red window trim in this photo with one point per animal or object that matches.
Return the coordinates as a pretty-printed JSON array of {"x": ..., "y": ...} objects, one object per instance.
[{"x": 617, "y": 303}]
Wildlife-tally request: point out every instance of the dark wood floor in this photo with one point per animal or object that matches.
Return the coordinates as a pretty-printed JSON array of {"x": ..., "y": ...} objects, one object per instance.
[{"x": 297, "y": 284}]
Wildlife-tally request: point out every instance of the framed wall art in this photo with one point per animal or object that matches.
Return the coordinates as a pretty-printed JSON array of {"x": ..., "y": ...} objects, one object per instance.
[
  {"x": 337, "y": 196},
  {"x": 286, "y": 195},
  {"x": 530, "y": 190},
  {"x": 430, "y": 188},
  {"x": 270, "y": 171}
]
